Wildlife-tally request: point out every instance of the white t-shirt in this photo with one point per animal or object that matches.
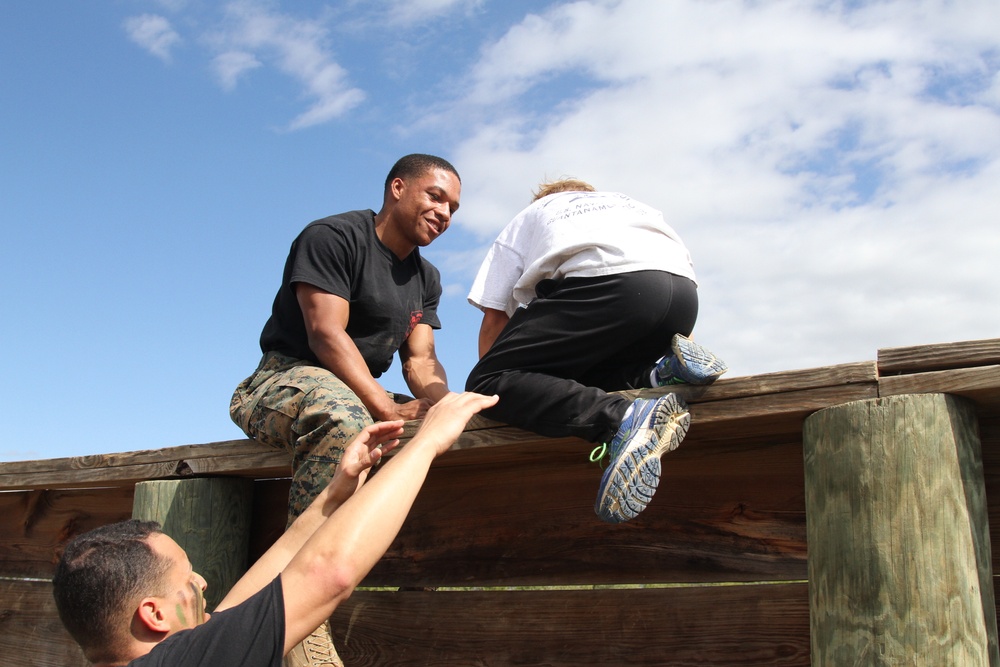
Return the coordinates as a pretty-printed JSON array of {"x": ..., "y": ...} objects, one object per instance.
[{"x": 575, "y": 234}]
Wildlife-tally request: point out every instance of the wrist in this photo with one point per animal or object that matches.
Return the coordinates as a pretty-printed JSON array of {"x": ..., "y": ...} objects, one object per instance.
[{"x": 380, "y": 405}]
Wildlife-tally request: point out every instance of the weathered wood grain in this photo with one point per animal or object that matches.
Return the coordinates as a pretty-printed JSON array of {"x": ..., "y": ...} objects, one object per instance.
[
  {"x": 31, "y": 634},
  {"x": 898, "y": 561},
  {"x": 724, "y": 512},
  {"x": 921, "y": 358},
  {"x": 726, "y": 626},
  {"x": 980, "y": 384},
  {"x": 768, "y": 404},
  {"x": 776, "y": 414},
  {"x": 209, "y": 518},
  {"x": 35, "y": 524},
  {"x": 244, "y": 458},
  {"x": 137, "y": 457}
]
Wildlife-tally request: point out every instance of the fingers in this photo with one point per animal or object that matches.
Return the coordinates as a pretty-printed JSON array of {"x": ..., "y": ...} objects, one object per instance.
[
  {"x": 446, "y": 420},
  {"x": 467, "y": 402},
  {"x": 387, "y": 447},
  {"x": 380, "y": 433}
]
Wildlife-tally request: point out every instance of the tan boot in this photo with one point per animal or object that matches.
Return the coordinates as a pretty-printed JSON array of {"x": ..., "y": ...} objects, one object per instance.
[{"x": 316, "y": 650}]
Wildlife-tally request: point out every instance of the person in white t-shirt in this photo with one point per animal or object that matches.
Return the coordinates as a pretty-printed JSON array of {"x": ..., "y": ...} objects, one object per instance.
[{"x": 586, "y": 293}]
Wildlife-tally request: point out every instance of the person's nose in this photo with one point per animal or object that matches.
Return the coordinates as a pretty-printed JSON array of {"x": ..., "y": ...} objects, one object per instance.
[{"x": 444, "y": 213}]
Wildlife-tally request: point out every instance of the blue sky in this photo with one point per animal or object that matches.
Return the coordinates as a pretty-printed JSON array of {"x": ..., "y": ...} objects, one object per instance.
[{"x": 834, "y": 168}]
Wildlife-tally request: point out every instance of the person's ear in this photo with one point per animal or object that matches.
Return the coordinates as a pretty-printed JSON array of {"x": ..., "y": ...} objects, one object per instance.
[
  {"x": 396, "y": 188},
  {"x": 150, "y": 615}
]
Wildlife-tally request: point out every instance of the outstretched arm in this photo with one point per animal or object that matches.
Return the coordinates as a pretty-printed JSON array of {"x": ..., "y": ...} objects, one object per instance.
[
  {"x": 359, "y": 456},
  {"x": 348, "y": 544}
]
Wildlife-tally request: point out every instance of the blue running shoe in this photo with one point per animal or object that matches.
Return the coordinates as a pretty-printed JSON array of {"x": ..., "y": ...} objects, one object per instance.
[
  {"x": 653, "y": 427},
  {"x": 689, "y": 363}
]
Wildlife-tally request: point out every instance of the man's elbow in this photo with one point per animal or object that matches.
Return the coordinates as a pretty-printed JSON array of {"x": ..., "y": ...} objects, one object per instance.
[{"x": 336, "y": 578}]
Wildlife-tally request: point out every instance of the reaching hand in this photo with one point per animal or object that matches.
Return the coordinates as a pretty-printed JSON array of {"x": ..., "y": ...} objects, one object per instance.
[
  {"x": 446, "y": 419},
  {"x": 360, "y": 455}
]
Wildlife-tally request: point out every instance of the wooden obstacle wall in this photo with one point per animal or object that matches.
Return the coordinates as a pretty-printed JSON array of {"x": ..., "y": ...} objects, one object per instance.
[{"x": 502, "y": 561}]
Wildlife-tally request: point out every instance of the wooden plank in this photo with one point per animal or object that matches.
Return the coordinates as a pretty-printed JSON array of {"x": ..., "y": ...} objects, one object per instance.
[
  {"x": 980, "y": 384},
  {"x": 69, "y": 479},
  {"x": 244, "y": 458},
  {"x": 770, "y": 415},
  {"x": 726, "y": 626},
  {"x": 729, "y": 388},
  {"x": 738, "y": 625},
  {"x": 501, "y": 628},
  {"x": 863, "y": 372},
  {"x": 776, "y": 415},
  {"x": 725, "y": 512},
  {"x": 753, "y": 529},
  {"x": 31, "y": 634},
  {"x": 922, "y": 358},
  {"x": 780, "y": 400},
  {"x": 137, "y": 457},
  {"x": 35, "y": 524},
  {"x": 270, "y": 464},
  {"x": 524, "y": 516},
  {"x": 257, "y": 465}
]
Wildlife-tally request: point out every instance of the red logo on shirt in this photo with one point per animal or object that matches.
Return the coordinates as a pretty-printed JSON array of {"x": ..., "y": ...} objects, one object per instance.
[{"x": 415, "y": 317}]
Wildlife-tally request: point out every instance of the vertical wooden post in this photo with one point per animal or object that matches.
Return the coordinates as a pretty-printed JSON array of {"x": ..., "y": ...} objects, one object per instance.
[
  {"x": 898, "y": 539},
  {"x": 209, "y": 518}
]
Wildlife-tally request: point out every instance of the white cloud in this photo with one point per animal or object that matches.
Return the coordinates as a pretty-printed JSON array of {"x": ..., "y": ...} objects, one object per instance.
[
  {"x": 231, "y": 65},
  {"x": 254, "y": 36},
  {"x": 835, "y": 170},
  {"x": 407, "y": 12},
  {"x": 153, "y": 33}
]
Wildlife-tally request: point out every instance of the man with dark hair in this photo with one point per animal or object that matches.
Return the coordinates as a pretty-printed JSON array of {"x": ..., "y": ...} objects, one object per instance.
[
  {"x": 354, "y": 291},
  {"x": 120, "y": 564},
  {"x": 128, "y": 595}
]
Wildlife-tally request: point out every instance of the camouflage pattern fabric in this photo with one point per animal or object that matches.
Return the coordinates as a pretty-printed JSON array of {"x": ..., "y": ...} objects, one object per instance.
[{"x": 304, "y": 409}]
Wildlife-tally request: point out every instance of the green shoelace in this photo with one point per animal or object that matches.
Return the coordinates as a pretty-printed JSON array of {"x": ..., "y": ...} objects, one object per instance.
[{"x": 597, "y": 454}]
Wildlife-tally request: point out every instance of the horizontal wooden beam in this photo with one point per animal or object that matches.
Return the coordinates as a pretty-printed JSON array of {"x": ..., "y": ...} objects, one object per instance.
[
  {"x": 921, "y": 358},
  {"x": 728, "y": 626},
  {"x": 981, "y": 385},
  {"x": 769, "y": 404}
]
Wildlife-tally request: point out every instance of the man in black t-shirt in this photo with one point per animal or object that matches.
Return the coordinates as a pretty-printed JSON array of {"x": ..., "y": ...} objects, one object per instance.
[
  {"x": 128, "y": 595},
  {"x": 354, "y": 292}
]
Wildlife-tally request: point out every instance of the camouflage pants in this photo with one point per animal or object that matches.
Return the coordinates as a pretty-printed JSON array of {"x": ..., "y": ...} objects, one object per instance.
[{"x": 304, "y": 409}]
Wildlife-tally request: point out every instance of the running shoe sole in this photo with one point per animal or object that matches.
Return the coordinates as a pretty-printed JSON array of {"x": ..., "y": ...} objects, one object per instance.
[
  {"x": 631, "y": 478},
  {"x": 698, "y": 364}
]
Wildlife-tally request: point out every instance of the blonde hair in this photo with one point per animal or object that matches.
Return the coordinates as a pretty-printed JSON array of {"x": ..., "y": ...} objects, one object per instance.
[{"x": 562, "y": 185}]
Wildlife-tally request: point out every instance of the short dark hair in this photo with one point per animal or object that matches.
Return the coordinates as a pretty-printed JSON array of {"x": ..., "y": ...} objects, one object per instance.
[
  {"x": 417, "y": 164},
  {"x": 100, "y": 575}
]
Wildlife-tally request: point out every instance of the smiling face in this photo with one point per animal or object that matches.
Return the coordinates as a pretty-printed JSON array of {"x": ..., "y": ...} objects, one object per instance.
[
  {"x": 183, "y": 597},
  {"x": 423, "y": 207}
]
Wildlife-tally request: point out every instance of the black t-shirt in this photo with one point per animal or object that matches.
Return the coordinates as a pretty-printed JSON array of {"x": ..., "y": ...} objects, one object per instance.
[
  {"x": 388, "y": 296},
  {"x": 251, "y": 634}
]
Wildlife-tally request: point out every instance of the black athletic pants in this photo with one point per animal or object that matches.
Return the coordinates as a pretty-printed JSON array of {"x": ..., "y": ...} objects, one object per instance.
[{"x": 555, "y": 361}]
